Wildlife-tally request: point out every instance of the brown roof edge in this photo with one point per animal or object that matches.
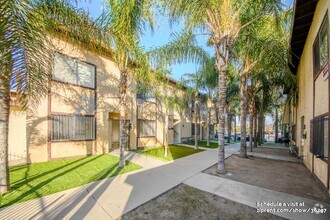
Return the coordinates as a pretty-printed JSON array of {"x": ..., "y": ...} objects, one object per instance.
[{"x": 303, "y": 14}]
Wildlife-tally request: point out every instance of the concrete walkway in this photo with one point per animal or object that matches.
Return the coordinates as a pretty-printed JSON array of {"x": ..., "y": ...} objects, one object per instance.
[
  {"x": 258, "y": 197},
  {"x": 111, "y": 198},
  {"x": 273, "y": 157}
]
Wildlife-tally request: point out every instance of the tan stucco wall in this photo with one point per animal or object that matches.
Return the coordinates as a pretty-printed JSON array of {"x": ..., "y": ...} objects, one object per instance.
[
  {"x": 321, "y": 95},
  {"x": 305, "y": 101},
  {"x": 72, "y": 149},
  {"x": 17, "y": 151},
  {"x": 71, "y": 99},
  {"x": 37, "y": 132}
]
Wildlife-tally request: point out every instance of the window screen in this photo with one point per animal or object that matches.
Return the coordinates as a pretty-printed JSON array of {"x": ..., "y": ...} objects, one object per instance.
[
  {"x": 321, "y": 51},
  {"x": 146, "y": 128},
  {"x": 69, "y": 70}
]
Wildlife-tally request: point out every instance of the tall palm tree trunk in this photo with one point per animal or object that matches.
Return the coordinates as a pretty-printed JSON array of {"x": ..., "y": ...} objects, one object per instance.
[
  {"x": 263, "y": 129},
  {"x": 4, "y": 121},
  {"x": 276, "y": 126},
  {"x": 229, "y": 127},
  {"x": 166, "y": 134},
  {"x": 235, "y": 136},
  {"x": 208, "y": 127},
  {"x": 259, "y": 129},
  {"x": 250, "y": 129},
  {"x": 122, "y": 113},
  {"x": 243, "y": 150},
  {"x": 222, "y": 57},
  {"x": 255, "y": 143},
  {"x": 195, "y": 118},
  {"x": 6, "y": 63}
]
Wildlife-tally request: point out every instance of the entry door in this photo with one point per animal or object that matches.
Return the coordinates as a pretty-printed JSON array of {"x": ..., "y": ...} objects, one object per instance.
[
  {"x": 170, "y": 130},
  {"x": 176, "y": 131},
  {"x": 115, "y": 134}
]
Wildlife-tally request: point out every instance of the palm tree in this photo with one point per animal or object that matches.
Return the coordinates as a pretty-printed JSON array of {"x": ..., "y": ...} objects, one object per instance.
[
  {"x": 124, "y": 23},
  {"x": 167, "y": 95},
  {"x": 262, "y": 50},
  {"x": 222, "y": 21},
  {"x": 26, "y": 56},
  {"x": 208, "y": 74},
  {"x": 231, "y": 97}
]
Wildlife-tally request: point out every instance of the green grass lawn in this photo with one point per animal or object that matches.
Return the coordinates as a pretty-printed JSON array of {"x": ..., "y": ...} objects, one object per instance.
[
  {"x": 272, "y": 144},
  {"x": 204, "y": 143},
  {"x": 174, "y": 152},
  {"x": 40, "y": 179}
]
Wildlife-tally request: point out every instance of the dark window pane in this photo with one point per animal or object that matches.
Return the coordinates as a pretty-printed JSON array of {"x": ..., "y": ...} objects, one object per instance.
[{"x": 319, "y": 137}]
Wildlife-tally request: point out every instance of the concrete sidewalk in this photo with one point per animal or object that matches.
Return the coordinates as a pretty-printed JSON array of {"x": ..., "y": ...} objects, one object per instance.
[
  {"x": 111, "y": 198},
  {"x": 273, "y": 157},
  {"x": 258, "y": 197}
]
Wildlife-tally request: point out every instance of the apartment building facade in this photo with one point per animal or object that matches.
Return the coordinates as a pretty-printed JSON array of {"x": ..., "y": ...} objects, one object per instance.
[
  {"x": 307, "y": 112},
  {"x": 80, "y": 115}
]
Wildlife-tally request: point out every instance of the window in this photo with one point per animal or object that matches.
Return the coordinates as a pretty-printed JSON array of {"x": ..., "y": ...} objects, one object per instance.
[
  {"x": 321, "y": 47},
  {"x": 211, "y": 130},
  {"x": 319, "y": 137},
  {"x": 145, "y": 93},
  {"x": 146, "y": 128},
  {"x": 146, "y": 97},
  {"x": 72, "y": 128},
  {"x": 72, "y": 71}
]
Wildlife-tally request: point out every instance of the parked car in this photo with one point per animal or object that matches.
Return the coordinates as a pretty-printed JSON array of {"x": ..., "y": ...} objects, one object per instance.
[{"x": 248, "y": 138}]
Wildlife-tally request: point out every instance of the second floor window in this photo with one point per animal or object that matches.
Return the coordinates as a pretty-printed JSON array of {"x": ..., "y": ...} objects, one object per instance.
[
  {"x": 145, "y": 93},
  {"x": 69, "y": 70},
  {"x": 321, "y": 47}
]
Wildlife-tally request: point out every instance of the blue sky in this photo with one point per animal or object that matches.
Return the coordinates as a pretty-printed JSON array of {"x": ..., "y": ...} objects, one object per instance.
[{"x": 160, "y": 36}]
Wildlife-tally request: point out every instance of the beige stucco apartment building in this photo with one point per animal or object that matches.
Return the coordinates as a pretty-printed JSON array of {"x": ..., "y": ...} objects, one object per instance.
[
  {"x": 80, "y": 115},
  {"x": 308, "y": 110}
]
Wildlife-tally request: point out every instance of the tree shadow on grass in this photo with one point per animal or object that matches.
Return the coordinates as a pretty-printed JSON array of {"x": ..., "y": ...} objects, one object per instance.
[{"x": 34, "y": 189}]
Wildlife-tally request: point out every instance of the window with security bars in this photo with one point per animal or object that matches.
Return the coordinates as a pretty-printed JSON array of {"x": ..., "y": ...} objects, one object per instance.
[
  {"x": 72, "y": 128},
  {"x": 146, "y": 128},
  {"x": 319, "y": 137}
]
